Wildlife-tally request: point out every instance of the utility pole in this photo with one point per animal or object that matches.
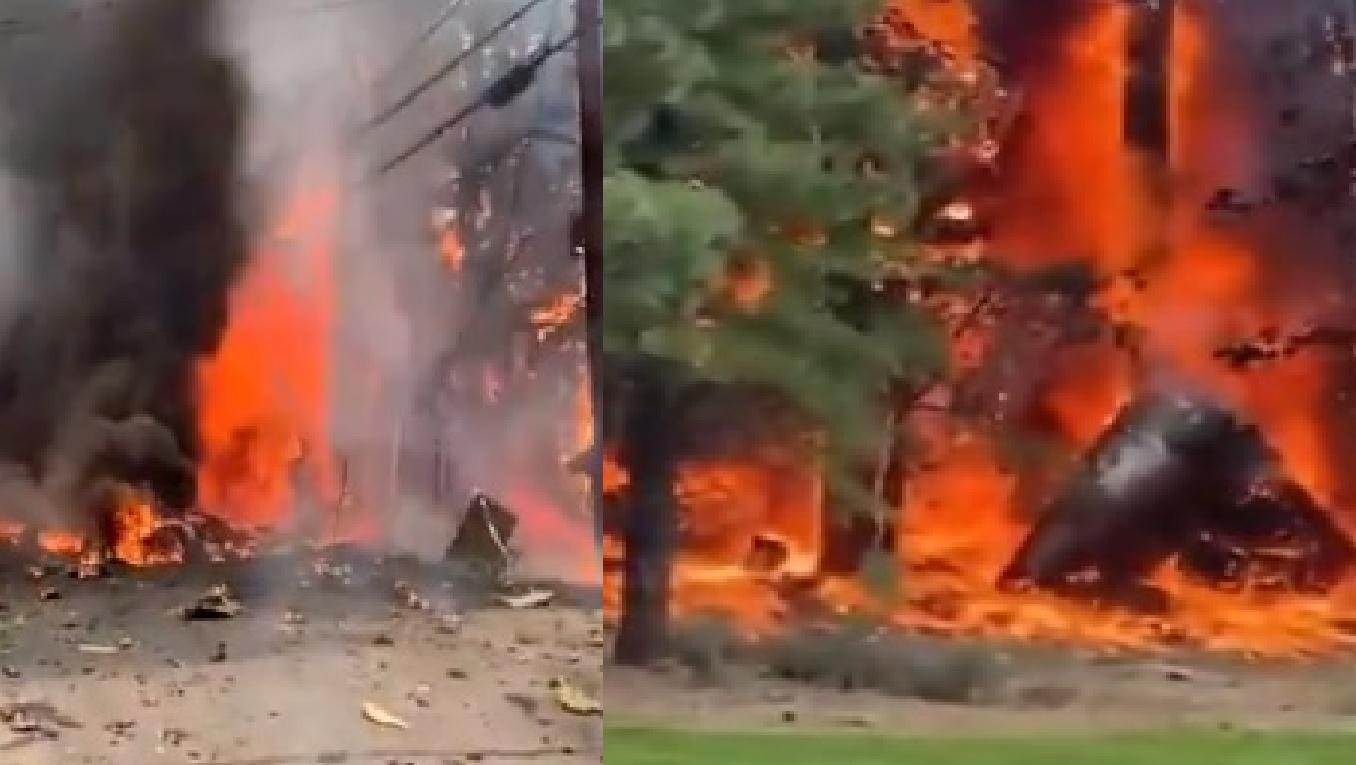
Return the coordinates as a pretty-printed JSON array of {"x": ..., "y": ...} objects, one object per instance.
[{"x": 588, "y": 234}]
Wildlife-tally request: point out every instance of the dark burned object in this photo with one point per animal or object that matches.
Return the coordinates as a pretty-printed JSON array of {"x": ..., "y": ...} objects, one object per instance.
[
  {"x": 766, "y": 554},
  {"x": 1179, "y": 477},
  {"x": 484, "y": 534},
  {"x": 1270, "y": 345},
  {"x": 217, "y": 603}
]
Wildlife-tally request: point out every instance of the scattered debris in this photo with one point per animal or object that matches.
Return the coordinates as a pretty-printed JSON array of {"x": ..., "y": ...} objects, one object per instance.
[
  {"x": 523, "y": 701},
  {"x": 408, "y": 597},
  {"x": 1179, "y": 674},
  {"x": 534, "y": 598},
  {"x": 92, "y": 648},
  {"x": 573, "y": 700},
  {"x": 422, "y": 695},
  {"x": 49, "y": 593},
  {"x": 449, "y": 623},
  {"x": 88, "y": 569},
  {"x": 219, "y": 655},
  {"x": 36, "y": 718},
  {"x": 378, "y": 716},
  {"x": 216, "y": 603}
]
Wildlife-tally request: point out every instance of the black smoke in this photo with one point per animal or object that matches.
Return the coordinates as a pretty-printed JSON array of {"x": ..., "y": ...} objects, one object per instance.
[{"x": 122, "y": 141}]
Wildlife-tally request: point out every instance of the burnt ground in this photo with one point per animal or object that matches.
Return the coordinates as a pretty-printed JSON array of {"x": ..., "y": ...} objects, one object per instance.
[
  {"x": 108, "y": 673},
  {"x": 1023, "y": 690}
]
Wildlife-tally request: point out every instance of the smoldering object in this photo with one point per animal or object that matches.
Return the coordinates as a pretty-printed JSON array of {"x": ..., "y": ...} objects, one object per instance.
[{"x": 1179, "y": 477}]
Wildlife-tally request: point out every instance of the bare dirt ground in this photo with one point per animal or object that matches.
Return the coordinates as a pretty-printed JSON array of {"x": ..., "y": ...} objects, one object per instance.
[
  {"x": 1032, "y": 690},
  {"x": 107, "y": 673}
]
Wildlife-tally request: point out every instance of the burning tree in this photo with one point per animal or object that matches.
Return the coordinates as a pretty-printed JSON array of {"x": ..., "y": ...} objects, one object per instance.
[{"x": 761, "y": 192}]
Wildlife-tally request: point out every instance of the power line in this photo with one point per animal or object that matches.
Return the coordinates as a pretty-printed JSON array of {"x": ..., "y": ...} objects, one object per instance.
[
  {"x": 492, "y": 279},
  {"x": 11, "y": 27},
  {"x": 499, "y": 93},
  {"x": 451, "y": 66},
  {"x": 438, "y": 23}
]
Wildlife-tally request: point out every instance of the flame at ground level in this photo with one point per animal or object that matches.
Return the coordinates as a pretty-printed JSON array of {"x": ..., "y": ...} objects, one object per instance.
[{"x": 960, "y": 528}]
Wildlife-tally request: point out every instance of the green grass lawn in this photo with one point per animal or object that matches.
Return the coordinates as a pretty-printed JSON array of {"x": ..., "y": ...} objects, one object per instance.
[{"x": 629, "y": 746}]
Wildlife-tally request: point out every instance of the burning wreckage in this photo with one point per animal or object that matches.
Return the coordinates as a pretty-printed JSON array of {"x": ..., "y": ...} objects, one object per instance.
[{"x": 1179, "y": 477}]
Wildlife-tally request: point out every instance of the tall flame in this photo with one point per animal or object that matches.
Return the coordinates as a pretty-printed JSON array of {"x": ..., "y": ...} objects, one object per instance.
[{"x": 264, "y": 396}]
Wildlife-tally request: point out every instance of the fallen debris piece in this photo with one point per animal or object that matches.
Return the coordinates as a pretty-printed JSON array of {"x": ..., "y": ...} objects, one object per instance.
[
  {"x": 49, "y": 593},
  {"x": 534, "y": 598},
  {"x": 378, "y": 716},
  {"x": 409, "y": 597},
  {"x": 484, "y": 535},
  {"x": 216, "y": 603},
  {"x": 449, "y": 624},
  {"x": 526, "y": 703},
  {"x": 36, "y": 718},
  {"x": 1176, "y": 476},
  {"x": 91, "y": 648},
  {"x": 574, "y": 700},
  {"x": 422, "y": 695}
]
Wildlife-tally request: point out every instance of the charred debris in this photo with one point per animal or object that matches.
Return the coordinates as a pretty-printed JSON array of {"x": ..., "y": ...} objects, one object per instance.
[{"x": 1179, "y": 478}]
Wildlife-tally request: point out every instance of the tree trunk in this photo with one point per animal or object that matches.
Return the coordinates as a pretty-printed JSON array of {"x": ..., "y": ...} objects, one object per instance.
[
  {"x": 651, "y": 531},
  {"x": 849, "y": 536}
]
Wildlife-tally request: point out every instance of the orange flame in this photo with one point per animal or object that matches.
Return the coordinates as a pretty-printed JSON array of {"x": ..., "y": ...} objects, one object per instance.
[{"x": 264, "y": 395}]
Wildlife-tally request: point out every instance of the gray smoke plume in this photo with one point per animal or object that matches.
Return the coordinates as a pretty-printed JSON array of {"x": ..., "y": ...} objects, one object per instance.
[{"x": 120, "y": 142}]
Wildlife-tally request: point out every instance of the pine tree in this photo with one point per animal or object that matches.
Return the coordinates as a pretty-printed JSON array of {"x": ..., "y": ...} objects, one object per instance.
[{"x": 760, "y": 188}]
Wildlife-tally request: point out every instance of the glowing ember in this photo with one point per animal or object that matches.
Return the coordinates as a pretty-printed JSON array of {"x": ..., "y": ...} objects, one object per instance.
[
  {"x": 450, "y": 246},
  {"x": 138, "y": 538},
  {"x": 61, "y": 543},
  {"x": 555, "y": 313}
]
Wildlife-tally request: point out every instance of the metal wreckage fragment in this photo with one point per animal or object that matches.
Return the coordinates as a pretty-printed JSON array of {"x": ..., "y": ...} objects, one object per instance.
[{"x": 1176, "y": 477}]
